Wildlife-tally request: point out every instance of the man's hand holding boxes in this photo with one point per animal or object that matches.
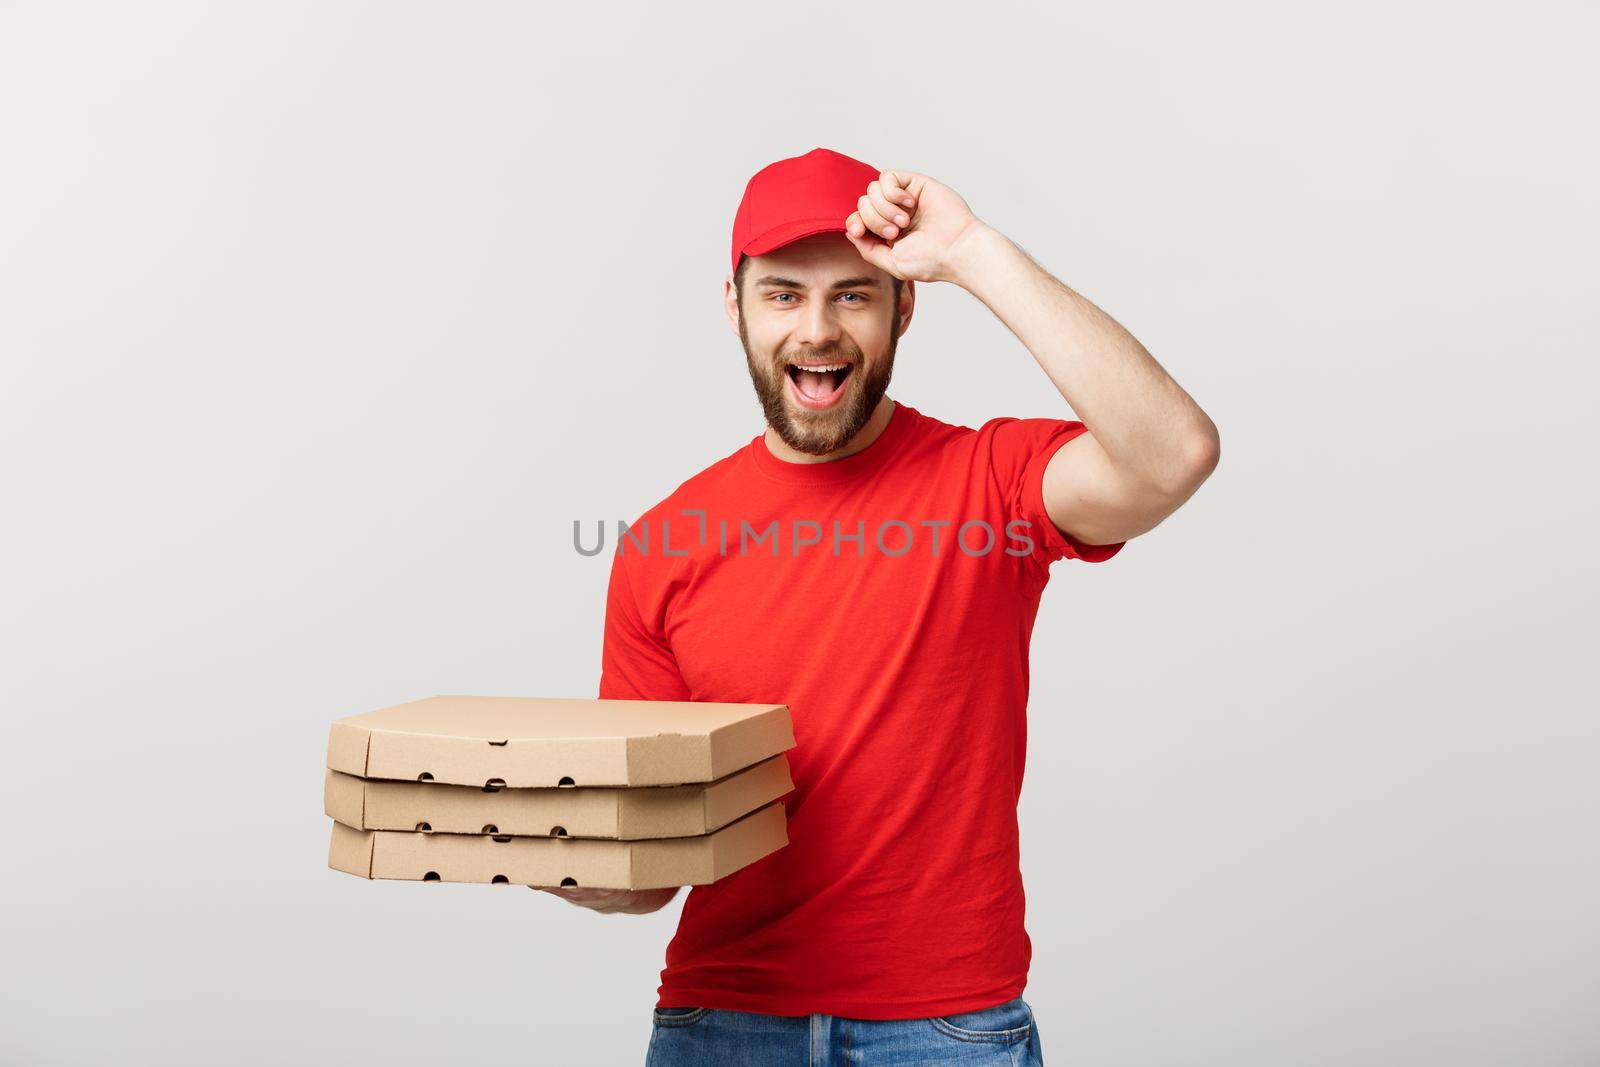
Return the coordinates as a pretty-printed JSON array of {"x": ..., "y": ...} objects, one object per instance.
[{"x": 550, "y": 792}]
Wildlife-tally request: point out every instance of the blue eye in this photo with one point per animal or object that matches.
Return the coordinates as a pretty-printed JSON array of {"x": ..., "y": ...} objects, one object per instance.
[{"x": 858, "y": 297}]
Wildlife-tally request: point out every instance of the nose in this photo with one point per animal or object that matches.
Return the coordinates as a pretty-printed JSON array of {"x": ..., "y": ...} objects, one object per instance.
[{"x": 818, "y": 326}]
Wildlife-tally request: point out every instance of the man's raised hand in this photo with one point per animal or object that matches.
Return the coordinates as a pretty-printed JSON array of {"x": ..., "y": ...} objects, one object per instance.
[{"x": 910, "y": 225}]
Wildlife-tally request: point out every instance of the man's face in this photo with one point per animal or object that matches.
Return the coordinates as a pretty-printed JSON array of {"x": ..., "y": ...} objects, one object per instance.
[{"x": 819, "y": 326}]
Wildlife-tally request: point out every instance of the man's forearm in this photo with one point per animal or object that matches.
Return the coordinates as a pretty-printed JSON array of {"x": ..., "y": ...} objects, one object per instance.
[
  {"x": 614, "y": 901},
  {"x": 1146, "y": 423},
  {"x": 644, "y": 901}
]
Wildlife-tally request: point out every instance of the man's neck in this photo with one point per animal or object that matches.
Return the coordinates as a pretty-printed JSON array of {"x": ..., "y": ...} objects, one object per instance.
[{"x": 863, "y": 437}]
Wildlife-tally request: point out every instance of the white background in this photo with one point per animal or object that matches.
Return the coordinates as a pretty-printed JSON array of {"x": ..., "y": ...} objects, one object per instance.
[{"x": 321, "y": 323}]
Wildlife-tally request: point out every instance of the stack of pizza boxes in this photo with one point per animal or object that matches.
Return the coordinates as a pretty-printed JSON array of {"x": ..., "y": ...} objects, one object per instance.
[{"x": 616, "y": 794}]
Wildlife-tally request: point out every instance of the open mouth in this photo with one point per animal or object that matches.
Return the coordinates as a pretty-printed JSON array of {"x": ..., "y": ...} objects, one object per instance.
[{"x": 819, "y": 385}]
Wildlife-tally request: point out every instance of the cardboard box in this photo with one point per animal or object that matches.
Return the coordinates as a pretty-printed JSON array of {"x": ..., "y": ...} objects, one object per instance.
[
  {"x": 537, "y": 742},
  {"x": 586, "y": 811},
  {"x": 560, "y": 861}
]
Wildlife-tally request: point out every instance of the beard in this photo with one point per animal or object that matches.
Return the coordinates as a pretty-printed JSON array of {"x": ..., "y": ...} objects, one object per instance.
[{"x": 817, "y": 433}]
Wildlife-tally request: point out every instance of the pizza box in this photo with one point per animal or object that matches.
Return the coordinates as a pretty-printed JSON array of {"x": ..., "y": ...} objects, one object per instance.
[
  {"x": 566, "y": 811},
  {"x": 560, "y": 861},
  {"x": 548, "y": 742}
]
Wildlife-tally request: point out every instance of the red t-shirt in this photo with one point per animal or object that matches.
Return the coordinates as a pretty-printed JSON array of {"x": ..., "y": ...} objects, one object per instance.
[{"x": 903, "y": 657}]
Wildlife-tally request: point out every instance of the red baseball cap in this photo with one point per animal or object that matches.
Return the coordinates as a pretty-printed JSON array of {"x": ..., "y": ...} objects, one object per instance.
[{"x": 797, "y": 197}]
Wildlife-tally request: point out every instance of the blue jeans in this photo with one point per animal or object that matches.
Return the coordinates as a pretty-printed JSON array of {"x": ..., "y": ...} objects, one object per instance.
[{"x": 1002, "y": 1036}]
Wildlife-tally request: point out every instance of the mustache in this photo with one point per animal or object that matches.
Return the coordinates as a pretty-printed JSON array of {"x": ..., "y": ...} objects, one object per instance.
[{"x": 836, "y": 354}]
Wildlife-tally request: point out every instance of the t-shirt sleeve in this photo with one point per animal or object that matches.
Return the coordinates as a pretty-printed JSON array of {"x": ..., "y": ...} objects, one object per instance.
[
  {"x": 1018, "y": 450},
  {"x": 636, "y": 662}
]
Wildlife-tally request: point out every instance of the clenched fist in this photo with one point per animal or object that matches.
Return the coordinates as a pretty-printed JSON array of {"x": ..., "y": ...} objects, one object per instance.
[{"x": 911, "y": 226}]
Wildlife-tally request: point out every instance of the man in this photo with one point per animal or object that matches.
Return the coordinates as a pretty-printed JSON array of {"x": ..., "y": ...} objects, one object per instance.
[{"x": 879, "y": 571}]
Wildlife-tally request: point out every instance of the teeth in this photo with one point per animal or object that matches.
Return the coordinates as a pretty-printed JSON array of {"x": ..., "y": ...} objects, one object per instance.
[{"x": 822, "y": 366}]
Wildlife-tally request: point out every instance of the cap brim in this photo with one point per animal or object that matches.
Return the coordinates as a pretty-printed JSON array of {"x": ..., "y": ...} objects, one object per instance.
[{"x": 779, "y": 236}]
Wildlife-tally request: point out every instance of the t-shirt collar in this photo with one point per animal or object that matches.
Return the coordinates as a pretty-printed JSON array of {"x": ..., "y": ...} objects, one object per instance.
[{"x": 871, "y": 458}]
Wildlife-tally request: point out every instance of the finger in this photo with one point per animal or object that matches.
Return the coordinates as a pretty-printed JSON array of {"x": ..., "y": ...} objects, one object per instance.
[
  {"x": 875, "y": 222},
  {"x": 870, "y": 248},
  {"x": 896, "y": 189},
  {"x": 889, "y": 211},
  {"x": 863, "y": 238},
  {"x": 856, "y": 228}
]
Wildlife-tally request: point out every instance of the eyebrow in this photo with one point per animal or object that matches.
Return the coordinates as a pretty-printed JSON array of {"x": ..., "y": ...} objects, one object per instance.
[{"x": 844, "y": 283}]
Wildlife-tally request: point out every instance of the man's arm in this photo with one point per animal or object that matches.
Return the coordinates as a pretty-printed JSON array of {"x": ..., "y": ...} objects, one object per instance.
[
  {"x": 1148, "y": 446},
  {"x": 616, "y": 901},
  {"x": 635, "y": 664}
]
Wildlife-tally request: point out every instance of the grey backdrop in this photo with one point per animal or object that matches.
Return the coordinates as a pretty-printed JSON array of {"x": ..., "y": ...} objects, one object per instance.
[{"x": 321, "y": 323}]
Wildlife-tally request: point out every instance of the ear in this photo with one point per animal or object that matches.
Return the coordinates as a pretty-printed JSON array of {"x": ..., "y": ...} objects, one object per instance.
[
  {"x": 730, "y": 304},
  {"x": 908, "y": 304}
]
